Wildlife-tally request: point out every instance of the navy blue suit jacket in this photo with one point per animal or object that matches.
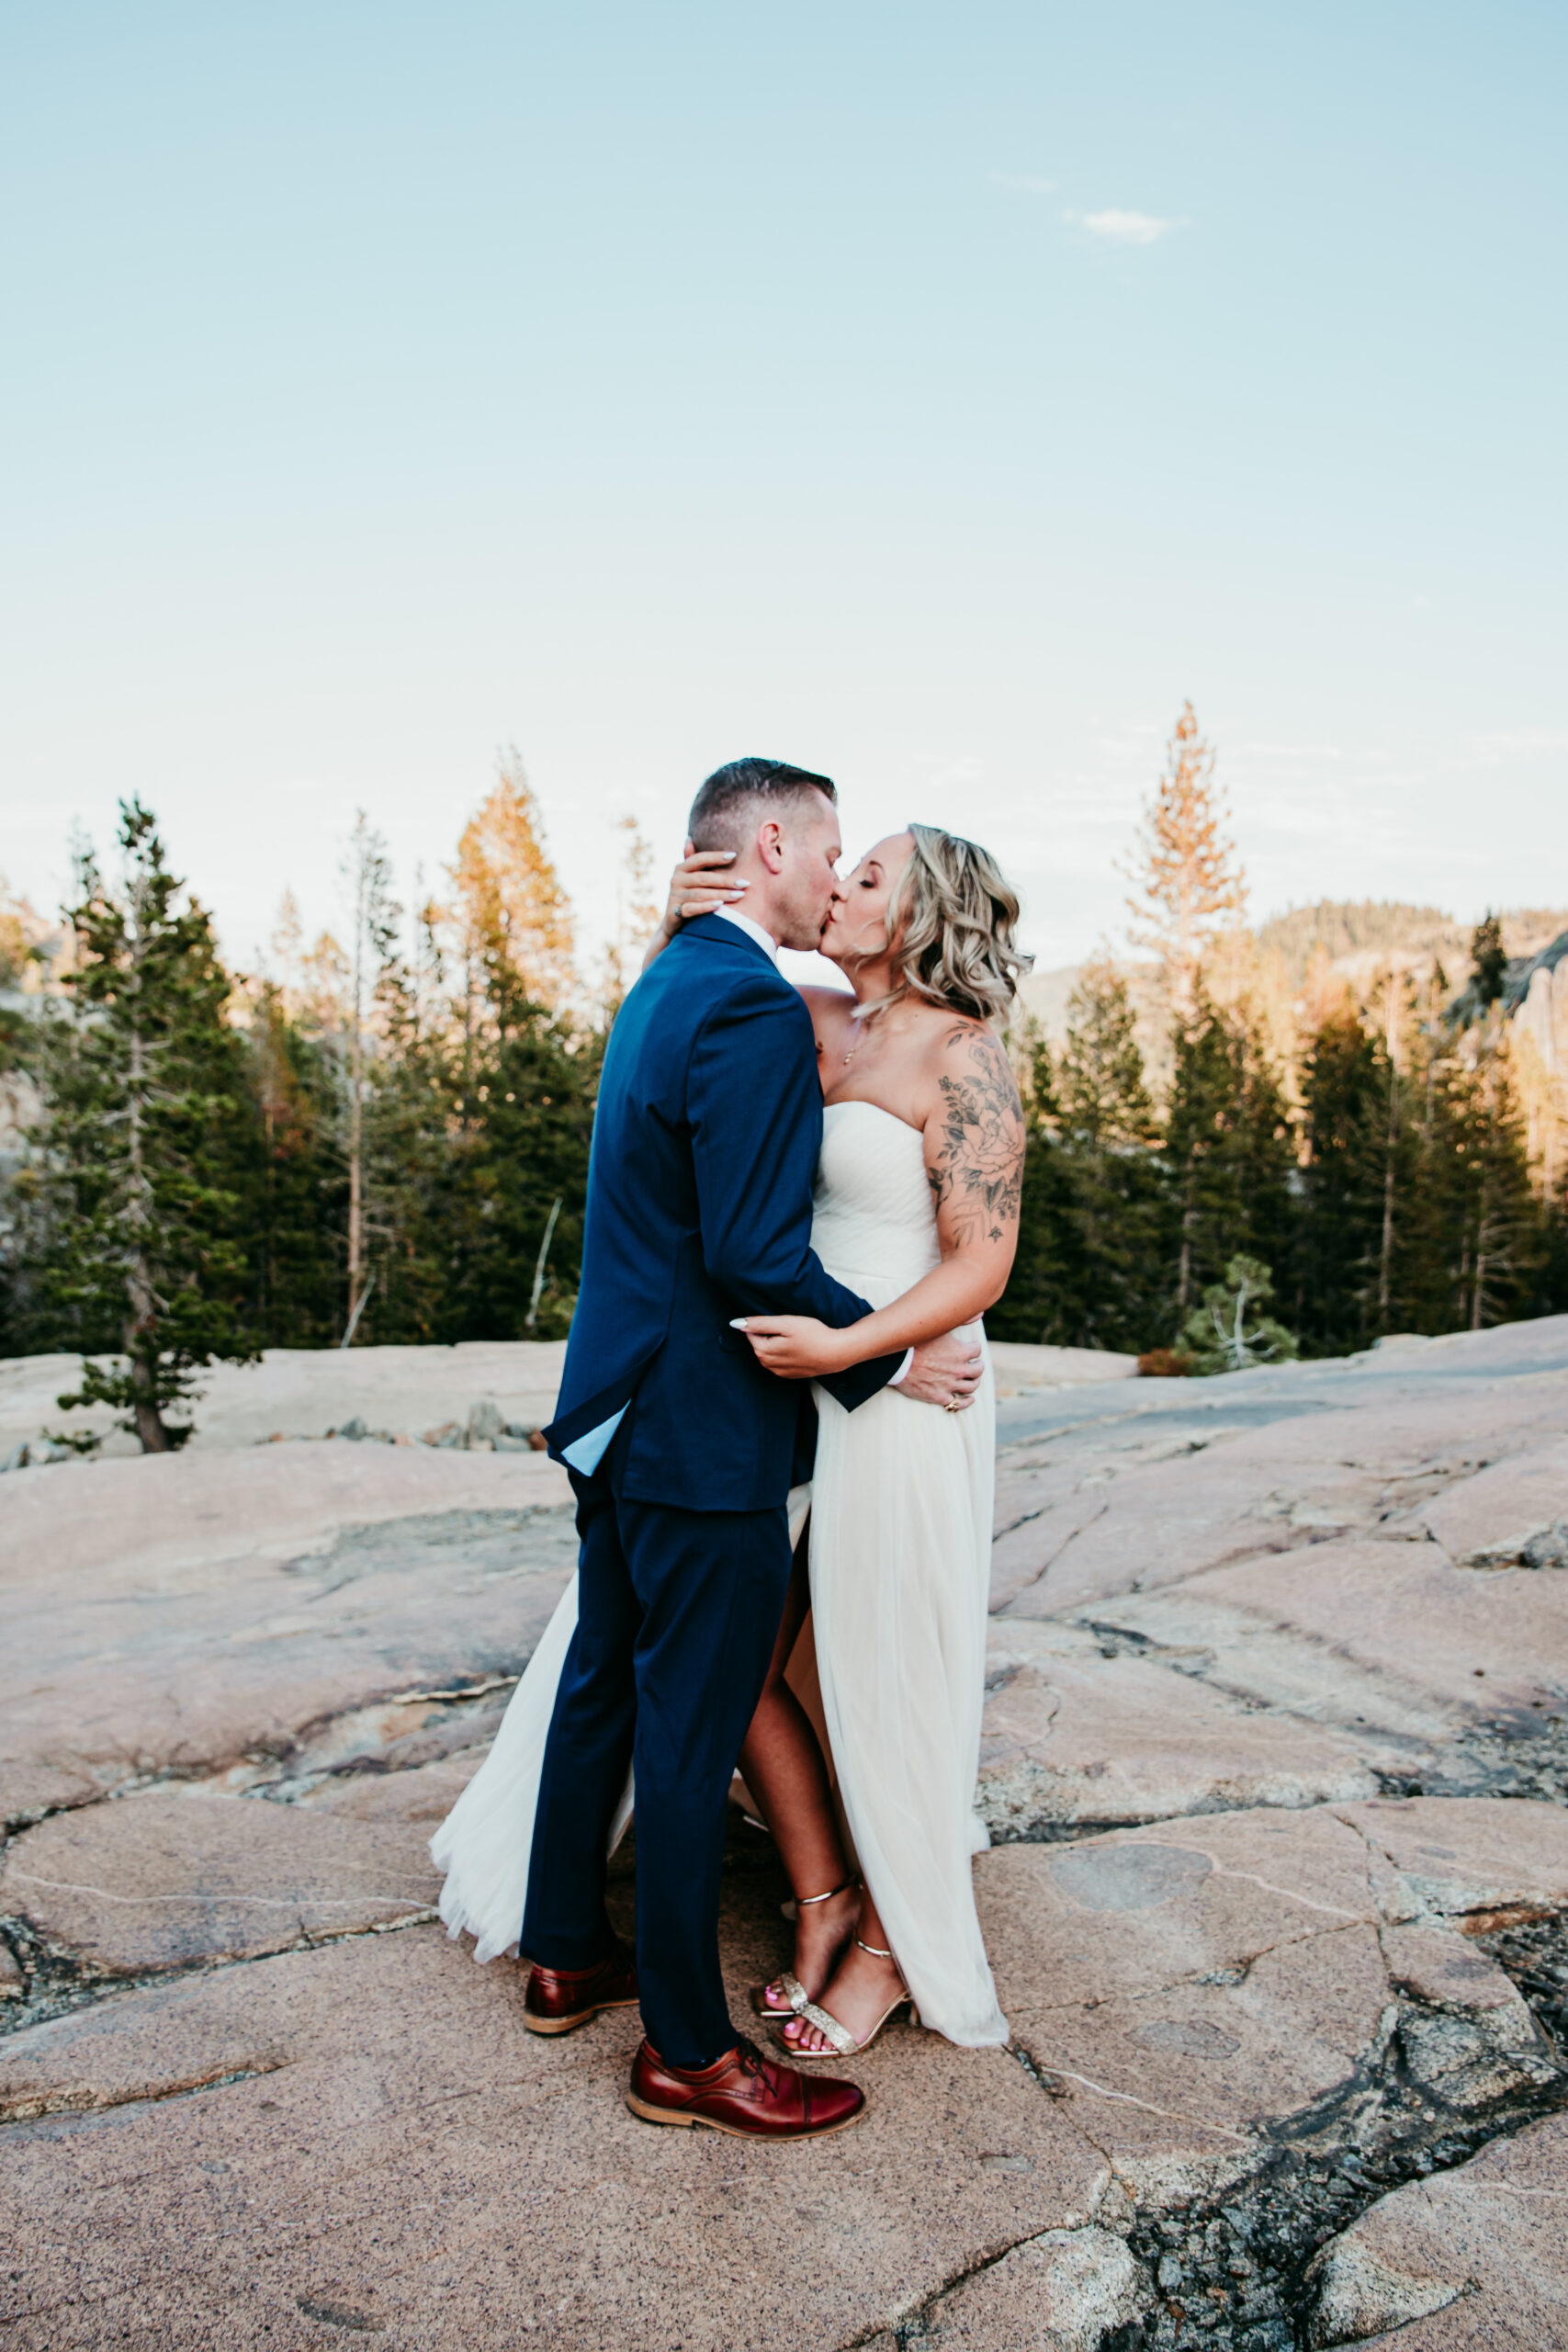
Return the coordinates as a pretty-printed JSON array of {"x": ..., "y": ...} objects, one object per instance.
[{"x": 705, "y": 1138}]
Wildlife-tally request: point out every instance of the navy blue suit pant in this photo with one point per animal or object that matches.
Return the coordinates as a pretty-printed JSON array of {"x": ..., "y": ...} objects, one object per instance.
[{"x": 677, "y": 1615}]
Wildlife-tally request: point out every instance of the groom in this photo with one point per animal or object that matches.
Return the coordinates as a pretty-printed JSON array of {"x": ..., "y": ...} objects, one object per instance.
[{"x": 681, "y": 1451}]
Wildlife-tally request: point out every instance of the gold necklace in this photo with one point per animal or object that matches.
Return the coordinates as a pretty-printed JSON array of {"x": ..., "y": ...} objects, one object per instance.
[{"x": 858, "y": 1042}]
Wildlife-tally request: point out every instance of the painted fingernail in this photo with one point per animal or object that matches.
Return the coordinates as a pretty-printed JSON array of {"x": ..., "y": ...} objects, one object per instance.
[{"x": 738, "y": 1322}]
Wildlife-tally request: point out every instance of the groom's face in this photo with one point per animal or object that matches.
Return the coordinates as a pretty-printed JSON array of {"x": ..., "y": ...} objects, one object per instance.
[{"x": 809, "y": 850}]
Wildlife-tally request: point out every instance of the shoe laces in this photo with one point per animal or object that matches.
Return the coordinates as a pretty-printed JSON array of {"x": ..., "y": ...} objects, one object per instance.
[{"x": 753, "y": 2061}]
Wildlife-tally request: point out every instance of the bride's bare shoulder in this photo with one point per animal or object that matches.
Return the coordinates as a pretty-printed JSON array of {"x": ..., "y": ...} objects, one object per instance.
[
  {"x": 960, "y": 1052},
  {"x": 829, "y": 1008}
]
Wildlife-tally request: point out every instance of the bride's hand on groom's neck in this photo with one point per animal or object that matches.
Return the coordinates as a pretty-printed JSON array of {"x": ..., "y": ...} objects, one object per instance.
[{"x": 699, "y": 886}]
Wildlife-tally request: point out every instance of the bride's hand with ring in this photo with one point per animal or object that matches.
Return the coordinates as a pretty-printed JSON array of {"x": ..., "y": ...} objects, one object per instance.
[
  {"x": 795, "y": 1347},
  {"x": 946, "y": 1370},
  {"x": 698, "y": 887}
]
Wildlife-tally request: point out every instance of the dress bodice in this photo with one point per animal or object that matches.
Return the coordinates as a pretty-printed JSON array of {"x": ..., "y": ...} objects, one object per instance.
[{"x": 873, "y": 1224}]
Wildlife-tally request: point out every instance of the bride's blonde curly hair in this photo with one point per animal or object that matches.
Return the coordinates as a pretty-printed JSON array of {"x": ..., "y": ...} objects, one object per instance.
[{"x": 954, "y": 916}]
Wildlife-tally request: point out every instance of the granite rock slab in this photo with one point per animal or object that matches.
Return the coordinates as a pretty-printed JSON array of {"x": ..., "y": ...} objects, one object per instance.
[
  {"x": 1473, "y": 2260},
  {"x": 1178, "y": 1987},
  {"x": 390, "y": 2146},
  {"x": 1474, "y": 1860},
  {"x": 303, "y": 1392},
  {"x": 1497, "y": 1519},
  {"x": 1076, "y": 1737},
  {"x": 1384, "y": 1635},
  {"x": 277, "y": 2106},
  {"x": 1066, "y": 2290},
  {"x": 1232, "y": 1493},
  {"x": 200, "y": 1610},
  {"x": 166, "y": 1877}
]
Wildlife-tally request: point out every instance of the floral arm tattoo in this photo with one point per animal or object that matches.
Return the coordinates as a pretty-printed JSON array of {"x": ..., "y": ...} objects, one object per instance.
[{"x": 978, "y": 1175}]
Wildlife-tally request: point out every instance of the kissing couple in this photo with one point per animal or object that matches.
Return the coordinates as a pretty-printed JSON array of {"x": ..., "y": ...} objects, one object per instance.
[{"x": 787, "y": 1186}]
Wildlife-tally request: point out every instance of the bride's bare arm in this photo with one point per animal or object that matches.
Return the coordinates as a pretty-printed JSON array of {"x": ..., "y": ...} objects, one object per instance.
[
  {"x": 697, "y": 886},
  {"x": 975, "y": 1140}
]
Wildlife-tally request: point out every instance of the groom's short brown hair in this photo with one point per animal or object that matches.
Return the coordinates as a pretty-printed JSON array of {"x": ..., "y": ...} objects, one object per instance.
[{"x": 721, "y": 813}]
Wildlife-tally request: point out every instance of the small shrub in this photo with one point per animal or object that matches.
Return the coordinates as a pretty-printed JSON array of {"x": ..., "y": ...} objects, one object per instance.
[{"x": 1228, "y": 1333}]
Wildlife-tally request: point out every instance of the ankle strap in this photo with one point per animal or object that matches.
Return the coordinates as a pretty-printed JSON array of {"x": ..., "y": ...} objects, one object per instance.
[
  {"x": 804, "y": 1902},
  {"x": 875, "y": 1951}
]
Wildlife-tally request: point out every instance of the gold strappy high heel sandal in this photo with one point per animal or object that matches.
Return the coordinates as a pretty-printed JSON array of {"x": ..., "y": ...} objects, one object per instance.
[
  {"x": 795, "y": 2000},
  {"x": 841, "y": 2041}
]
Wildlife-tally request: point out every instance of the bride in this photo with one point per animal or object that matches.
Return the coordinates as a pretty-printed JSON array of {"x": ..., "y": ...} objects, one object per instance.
[{"x": 916, "y": 1208}]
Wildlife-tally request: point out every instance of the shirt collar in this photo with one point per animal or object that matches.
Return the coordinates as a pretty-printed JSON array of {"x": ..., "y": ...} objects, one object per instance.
[{"x": 764, "y": 939}]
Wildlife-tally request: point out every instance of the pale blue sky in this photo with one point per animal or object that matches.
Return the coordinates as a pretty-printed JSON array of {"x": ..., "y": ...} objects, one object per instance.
[{"x": 933, "y": 395}]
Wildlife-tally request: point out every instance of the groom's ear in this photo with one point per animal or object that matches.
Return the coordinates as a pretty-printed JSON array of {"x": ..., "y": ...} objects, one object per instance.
[{"x": 769, "y": 845}]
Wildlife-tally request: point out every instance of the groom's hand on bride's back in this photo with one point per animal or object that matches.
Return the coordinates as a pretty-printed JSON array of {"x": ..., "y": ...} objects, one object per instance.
[{"x": 945, "y": 1372}]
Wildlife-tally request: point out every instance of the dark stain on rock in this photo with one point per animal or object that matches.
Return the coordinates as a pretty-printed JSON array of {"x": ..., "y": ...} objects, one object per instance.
[
  {"x": 1129, "y": 1878},
  {"x": 339, "y": 2315}
]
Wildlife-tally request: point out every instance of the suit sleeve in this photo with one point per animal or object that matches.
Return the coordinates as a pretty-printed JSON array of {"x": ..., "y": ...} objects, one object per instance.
[{"x": 756, "y": 1111}]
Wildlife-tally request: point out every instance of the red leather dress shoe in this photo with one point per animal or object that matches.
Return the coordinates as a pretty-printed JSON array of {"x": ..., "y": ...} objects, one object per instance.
[
  {"x": 743, "y": 2093},
  {"x": 559, "y": 1999}
]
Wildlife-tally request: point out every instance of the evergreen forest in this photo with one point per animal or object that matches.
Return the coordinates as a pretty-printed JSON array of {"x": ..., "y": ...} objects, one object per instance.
[{"x": 382, "y": 1137}]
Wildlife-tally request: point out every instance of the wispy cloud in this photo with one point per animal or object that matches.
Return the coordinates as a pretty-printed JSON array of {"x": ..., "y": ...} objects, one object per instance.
[
  {"x": 1530, "y": 738},
  {"x": 1121, "y": 228},
  {"x": 1023, "y": 183},
  {"x": 1293, "y": 750}
]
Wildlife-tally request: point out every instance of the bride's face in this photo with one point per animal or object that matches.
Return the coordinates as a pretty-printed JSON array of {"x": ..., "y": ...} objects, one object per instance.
[{"x": 856, "y": 929}]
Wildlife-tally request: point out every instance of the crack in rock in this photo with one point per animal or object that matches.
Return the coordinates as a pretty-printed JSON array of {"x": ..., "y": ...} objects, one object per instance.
[
  {"x": 57, "y": 1982},
  {"x": 1079, "y": 2290},
  {"x": 1512, "y": 1757},
  {"x": 24, "y": 2110},
  {"x": 397, "y": 1733},
  {"x": 1251, "y": 2267},
  {"x": 1524, "y": 1754},
  {"x": 487, "y": 1540}
]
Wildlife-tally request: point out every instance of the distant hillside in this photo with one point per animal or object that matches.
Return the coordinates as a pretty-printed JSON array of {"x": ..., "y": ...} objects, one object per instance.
[
  {"x": 1355, "y": 936},
  {"x": 1349, "y": 930},
  {"x": 1044, "y": 996}
]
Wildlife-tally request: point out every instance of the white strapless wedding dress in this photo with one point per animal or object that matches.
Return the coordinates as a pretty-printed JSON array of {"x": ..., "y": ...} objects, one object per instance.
[{"x": 900, "y": 1565}]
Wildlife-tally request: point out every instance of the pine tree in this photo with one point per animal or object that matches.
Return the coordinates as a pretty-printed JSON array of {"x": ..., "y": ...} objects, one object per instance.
[
  {"x": 517, "y": 1178},
  {"x": 1345, "y": 1079},
  {"x": 509, "y": 1198},
  {"x": 1490, "y": 958},
  {"x": 509, "y": 899},
  {"x": 1189, "y": 888},
  {"x": 293, "y": 1188},
  {"x": 131, "y": 1245},
  {"x": 1496, "y": 1236},
  {"x": 1111, "y": 1136},
  {"x": 1040, "y": 1304},
  {"x": 372, "y": 974},
  {"x": 1550, "y": 1295},
  {"x": 1230, "y": 1332},
  {"x": 1229, "y": 1153}
]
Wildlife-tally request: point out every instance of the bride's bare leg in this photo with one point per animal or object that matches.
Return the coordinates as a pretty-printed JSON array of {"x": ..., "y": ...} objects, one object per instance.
[
  {"x": 860, "y": 1991},
  {"x": 783, "y": 1768}
]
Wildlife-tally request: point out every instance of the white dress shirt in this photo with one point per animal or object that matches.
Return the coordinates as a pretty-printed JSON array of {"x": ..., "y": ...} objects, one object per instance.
[{"x": 764, "y": 939}]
